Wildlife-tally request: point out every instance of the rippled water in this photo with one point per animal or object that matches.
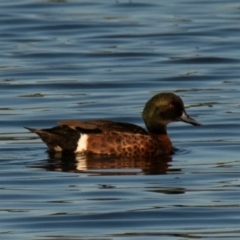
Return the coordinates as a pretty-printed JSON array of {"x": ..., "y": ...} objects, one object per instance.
[{"x": 105, "y": 59}]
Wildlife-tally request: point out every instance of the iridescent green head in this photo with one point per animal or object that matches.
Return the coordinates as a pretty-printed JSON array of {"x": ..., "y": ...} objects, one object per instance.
[{"x": 162, "y": 109}]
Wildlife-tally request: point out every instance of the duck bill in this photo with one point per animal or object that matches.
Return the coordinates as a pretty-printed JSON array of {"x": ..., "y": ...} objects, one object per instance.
[{"x": 185, "y": 118}]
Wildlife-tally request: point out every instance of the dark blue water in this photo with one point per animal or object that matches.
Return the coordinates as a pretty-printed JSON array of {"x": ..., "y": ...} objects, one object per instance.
[{"x": 105, "y": 59}]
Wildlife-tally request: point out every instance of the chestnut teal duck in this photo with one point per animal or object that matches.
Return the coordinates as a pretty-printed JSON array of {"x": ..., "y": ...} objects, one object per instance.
[{"x": 106, "y": 137}]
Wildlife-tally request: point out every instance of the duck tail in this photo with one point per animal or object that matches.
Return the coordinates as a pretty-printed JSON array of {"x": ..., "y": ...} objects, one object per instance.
[
  {"x": 34, "y": 130},
  {"x": 60, "y": 138}
]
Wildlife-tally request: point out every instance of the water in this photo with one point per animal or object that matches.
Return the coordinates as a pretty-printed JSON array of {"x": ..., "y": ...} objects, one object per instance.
[{"x": 105, "y": 59}]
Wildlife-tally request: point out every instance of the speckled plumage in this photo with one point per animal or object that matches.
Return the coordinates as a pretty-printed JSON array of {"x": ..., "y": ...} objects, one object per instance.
[
  {"x": 120, "y": 139},
  {"x": 127, "y": 144}
]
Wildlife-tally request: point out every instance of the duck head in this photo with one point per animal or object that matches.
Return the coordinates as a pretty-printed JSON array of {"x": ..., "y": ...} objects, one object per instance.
[{"x": 162, "y": 109}]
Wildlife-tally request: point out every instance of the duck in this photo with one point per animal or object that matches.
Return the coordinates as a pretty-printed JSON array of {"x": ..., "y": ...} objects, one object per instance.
[{"x": 105, "y": 137}]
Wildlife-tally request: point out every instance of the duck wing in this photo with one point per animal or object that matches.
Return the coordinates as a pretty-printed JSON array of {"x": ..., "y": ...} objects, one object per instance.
[{"x": 98, "y": 126}]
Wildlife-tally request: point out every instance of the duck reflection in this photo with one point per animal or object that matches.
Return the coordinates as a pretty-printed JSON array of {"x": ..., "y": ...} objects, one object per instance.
[{"x": 105, "y": 165}]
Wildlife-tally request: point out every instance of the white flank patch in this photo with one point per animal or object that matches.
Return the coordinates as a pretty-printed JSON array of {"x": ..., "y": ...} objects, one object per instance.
[
  {"x": 82, "y": 143},
  {"x": 57, "y": 149}
]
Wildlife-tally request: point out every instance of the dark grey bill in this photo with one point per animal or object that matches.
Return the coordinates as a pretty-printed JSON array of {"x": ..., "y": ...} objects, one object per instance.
[{"x": 185, "y": 118}]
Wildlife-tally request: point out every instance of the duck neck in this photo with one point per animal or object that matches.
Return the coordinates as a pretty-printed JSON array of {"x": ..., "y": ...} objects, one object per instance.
[{"x": 157, "y": 129}]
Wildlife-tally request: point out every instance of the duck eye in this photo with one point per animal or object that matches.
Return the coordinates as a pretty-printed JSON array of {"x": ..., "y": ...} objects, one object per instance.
[{"x": 170, "y": 105}]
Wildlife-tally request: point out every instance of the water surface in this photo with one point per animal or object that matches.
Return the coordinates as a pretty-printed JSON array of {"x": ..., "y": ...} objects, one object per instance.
[{"x": 105, "y": 59}]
